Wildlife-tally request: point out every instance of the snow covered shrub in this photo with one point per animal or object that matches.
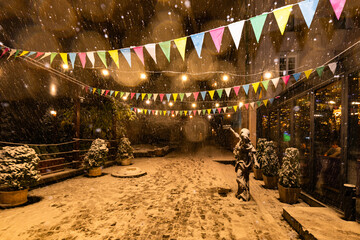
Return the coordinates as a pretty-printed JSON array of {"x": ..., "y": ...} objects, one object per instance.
[
  {"x": 289, "y": 174},
  {"x": 125, "y": 150},
  {"x": 270, "y": 160},
  {"x": 260, "y": 151},
  {"x": 18, "y": 167},
  {"x": 96, "y": 155}
]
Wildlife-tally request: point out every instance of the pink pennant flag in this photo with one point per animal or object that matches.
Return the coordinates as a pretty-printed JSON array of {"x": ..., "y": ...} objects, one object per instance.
[
  {"x": 5, "y": 51},
  {"x": 247, "y": 106},
  {"x": 338, "y": 6},
  {"x": 219, "y": 110},
  {"x": 86, "y": 88},
  {"x": 132, "y": 95},
  {"x": 286, "y": 79},
  {"x": 161, "y": 96},
  {"x": 39, "y": 54},
  {"x": 82, "y": 57},
  {"x": 236, "y": 89},
  {"x": 194, "y": 112},
  {"x": 106, "y": 92},
  {"x": 140, "y": 53},
  {"x": 196, "y": 94},
  {"x": 153, "y": 112},
  {"x": 216, "y": 35}
]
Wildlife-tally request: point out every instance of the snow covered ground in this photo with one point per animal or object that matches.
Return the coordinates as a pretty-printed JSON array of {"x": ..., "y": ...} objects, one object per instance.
[{"x": 177, "y": 199}]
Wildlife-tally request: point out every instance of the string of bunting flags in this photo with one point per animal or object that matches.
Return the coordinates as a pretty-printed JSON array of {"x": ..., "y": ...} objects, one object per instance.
[
  {"x": 307, "y": 7},
  {"x": 175, "y": 96}
]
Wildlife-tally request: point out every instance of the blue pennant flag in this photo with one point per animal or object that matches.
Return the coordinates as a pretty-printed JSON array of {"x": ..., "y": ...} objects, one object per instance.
[
  {"x": 127, "y": 54},
  {"x": 90, "y": 89},
  {"x": 137, "y": 95},
  {"x": 198, "y": 40},
  {"x": 31, "y": 53},
  {"x": 111, "y": 92},
  {"x": 214, "y": 110},
  {"x": 246, "y": 88},
  {"x": 203, "y": 94},
  {"x": 168, "y": 95},
  {"x": 271, "y": 100},
  {"x": 72, "y": 59},
  {"x": 296, "y": 75},
  {"x": 308, "y": 8}
]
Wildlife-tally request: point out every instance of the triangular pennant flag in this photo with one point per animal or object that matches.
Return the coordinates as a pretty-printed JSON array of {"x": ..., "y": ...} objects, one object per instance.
[
  {"x": 30, "y": 54},
  {"x": 236, "y": 89},
  {"x": 102, "y": 56},
  {"x": 182, "y": 96},
  {"x": 203, "y": 111},
  {"x": 188, "y": 94},
  {"x": 38, "y": 54},
  {"x": 224, "y": 109},
  {"x": 165, "y": 47},
  {"x": 190, "y": 111},
  {"x": 255, "y": 86},
  {"x": 82, "y": 57},
  {"x": 296, "y": 76},
  {"x": 132, "y": 95},
  {"x": 94, "y": 89},
  {"x": 252, "y": 105},
  {"x": 219, "y": 92},
  {"x": 52, "y": 56},
  {"x": 91, "y": 57},
  {"x": 87, "y": 88},
  {"x": 219, "y": 110},
  {"x": 332, "y": 67},
  {"x": 196, "y": 94},
  {"x": 194, "y": 112},
  {"x": 106, "y": 92},
  {"x": 149, "y": 96},
  {"x": 23, "y": 53},
  {"x": 185, "y": 112},
  {"x": 111, "y": 92},
  {"x": 72, "y": 57},
  {"x": 45, "y": 55},
  {"x": 145, "y": 110},
  {"x": 143, "y": 96},
  {"x": 126, "y": 95},
  {"x": 151, "y": 48},
  {"x": 258, "y": 103},
  {"x": 282, "y": 17},
  {"x": 137, "y": 95},
  {"x": 17, "y": 53},
  {"x": 275, "y": 81},
  {"x": 235, "y": 107},
  {"x": 271, "y": 100},
  {"x": 236, "y": 31},
  {"x": 199, "y": 112},
  {"x": 175, "y": 96},
  {"x": 307, "y": 73},
  {"x": 140, "y": 53},
  {"x": 168, "y": 95},
  {"x": 203, "y": 95},
  {"x": 246, "y": 88},
  {"x": 12, "y": 52},
  {"x": 127, "y": 55},
  {"x": 308, "y": 9},
  {"x": 181, "y": 46},
  {"x": 176, "y": 113},
  {"x": 155, "y": 96},
  {"x": 338, "y": 6},
  {"x": 114, "y": 54},
  {"x": 211, "y": 93},
  {"x": 102, "y": 91},
  {"x": 208, "y": 111},
  {"x": 227, "y": 90},
  {"x": 265, "y": 84},
  {"x": 161, "y": 96},
  {"x": 258, "y": 24},
  {"x": 213, "y": 110},
  {"x": 198, "y": 40},
  {"x": 320, "y": 70},
  {"x": 6, "y": 50},
  {"x": 216, "y": 35},
  {"x": 286, "y": 79},
  {"x": 64, "y": 58},
  {"x": 121, "y": 94},
  {"x": 265, "y": 102},
  {"x": 247, "y": 106}
]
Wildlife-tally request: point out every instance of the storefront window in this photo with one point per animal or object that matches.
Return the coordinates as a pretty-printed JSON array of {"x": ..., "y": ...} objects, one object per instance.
[
  {"x": 274, "y": 132},
  {"x": 327, "y": 140},
  {"x": 285, "y": 136},
  {"x": 302, "y": 136}
]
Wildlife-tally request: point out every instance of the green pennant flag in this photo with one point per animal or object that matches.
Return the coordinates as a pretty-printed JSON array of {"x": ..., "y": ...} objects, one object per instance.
[
  {"x": 320, "y": 70},
  {"x": 203, "y": 111},
  {"x": 181, "y": 96},
  {"x": 258, "y": 24},
  {"x": 121, "y": 94},
  {"x": 102, "y": 56},
  {"x": 219, "y": 92},
  {"x": 265, "y": 84},
  {"x": 149, "y": 95},
  {"x": 181, "y": 112},
  {"x": 17, "y": 53},
  {"x": 258, "y": 103},
  {"x": 165, "y": 47},
  {"x": 99, "y": 91},
  {"x": 52, "y": 56},
  {"x": 211, "y": 93}
]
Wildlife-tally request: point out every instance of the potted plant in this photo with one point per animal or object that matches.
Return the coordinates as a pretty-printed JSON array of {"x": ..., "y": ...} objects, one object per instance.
[
  {"x": 125, "y": 152},
  {"x": 260, "y": 151},
  {"x": 289, "y": 177},
  {"x": 18, "y": 171},
  {"x": 270, "y": 166},
  {"x": 95, "y": 158}
]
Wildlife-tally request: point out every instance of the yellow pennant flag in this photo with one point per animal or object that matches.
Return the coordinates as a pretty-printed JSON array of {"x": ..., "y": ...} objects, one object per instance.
[
  {"x": 94, "y": 89},
  {"x": 142, "y": 96},
  {"x": 181, "y": 46},
  {"x": 116, "y": 93},
  {"x": 185, "y": 112},
  {"x": 208, "y": 111},
  {"x": 145, "y": 111},
  {"x": 235, "y": 107},
  {"x": 256, "y": 86},
  {"x": 64, "y": 58},
  {"x": 114, "y": 54},
  {"x": 175, "y": 96},
  {"x": 265, "y": 102},
  {"x": 23, "y": 53},
  {"x": 307, "y": 73},
  {"x": 282, "y": 17},
  {"x": 211, "y": 93}
]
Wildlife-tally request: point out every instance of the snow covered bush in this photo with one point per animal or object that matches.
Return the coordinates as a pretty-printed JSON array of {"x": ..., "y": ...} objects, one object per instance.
[
  {"x": 125, "y": 150},
  {"x": 96, "y": 155},
  {"x": 270, "y": 160},
  {"x": 18, "y": 167},
  {"x": 260, "y": 151},
  {"x": 289, "y": 174}
]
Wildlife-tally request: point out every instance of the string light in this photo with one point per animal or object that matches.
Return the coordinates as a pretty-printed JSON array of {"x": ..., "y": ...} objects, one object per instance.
[
  {"x": 190, "y": 116},
  {"x": 184, "y": 77},
  {"x": 225, "y": 77},
  {"x": 65, "y": 66},
  {"x": 217, "y": 104},
  {"x": 193, "y": 105},
  {"x": 209, "y": 116},
  {"x": 171, "y": 104},
  {"x": 147, "y": 101},
  {"x": 143, "y": 76},
  {"x": 267, "y": 75},
  {"x": 241, "y": 104},
  {"x": 124, "y": 98},
  {"x": 105, "y": 72},
  {"x": 53, "y": 113}
]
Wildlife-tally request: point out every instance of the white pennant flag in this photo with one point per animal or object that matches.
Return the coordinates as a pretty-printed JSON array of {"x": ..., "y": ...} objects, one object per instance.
[
  {"x": 155, "y": 96},
  {"x": 126, "y": 95},
  {"x": 236, "y": 31},
  {"x": 227, "y": 90},
  {"x": 91, "y": 57},
  {"x": 224, "y": 109},
  {"x": 176, "y": 113},
  {"x": 188, "y": 94},
  {"x": 151, "y": 48},
  {"x": 45, "y": 55},
  {"x": 332, "y": 67},
  {"x": 275, "y": 81},
  {"x": 12, "y": 52},
  {"x": 199, "y": 112},
  {"x": 252, "y": 105}
]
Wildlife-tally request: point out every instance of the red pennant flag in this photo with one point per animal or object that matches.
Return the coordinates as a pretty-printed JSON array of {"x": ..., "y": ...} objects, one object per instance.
[
  {"x": 247, "y": 106},
  {"x": 135, "y": 110},
  {"x": 132, "y": 95},
  {"x": 172, "y": 112},
  {"x": 86, "y": 88},
  {"x": 286, "y": 79},
  {"x": 153, "y": 112},
  {"x": 5, "y": 51},
  {"x": 196, "y": 94},
  {"x": 139, "y": 52},
  {"x": 39, "y": 54},
  {"x": 161, "y": 96},
  {"x": 194, "y": 112},
  {"x": 236, "y": 89},
  {"x": 219, "y": 110},
  {"x": 106, "y": 92},
  {"x": 82, "y": 57}
]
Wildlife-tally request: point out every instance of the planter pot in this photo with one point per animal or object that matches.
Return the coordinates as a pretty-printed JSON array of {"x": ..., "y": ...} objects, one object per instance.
[
  {"x": 258, "y": 173},
  {"x": 270, "y": 182},
  {"x": 13, "y": 198},
  {"x": 125, "y": 162},
  {"x": 288, "y": 195},
  {"x": 94, "y": 172}
]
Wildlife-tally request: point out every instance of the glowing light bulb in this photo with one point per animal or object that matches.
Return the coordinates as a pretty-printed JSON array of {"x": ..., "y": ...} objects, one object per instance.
[
  {"x": 267, "y": 75},
  {"x": 124, "y": 98},
  {"x": 143, "y": 76},
  {"x": 209, "y": 116},
  {"x": 217, "y": 104},
  {"x": 225, "y": 77},
  {"x": 65, "y": 66},
  {"x": 147, "y": 101},
  {"x": 228, "y": 115},
  {"x": 105, "y": 72},
  {"x": 190, "y": 116},
  {"x": 241, "y": 104},
  {"x": 171, "y": 104},
  {"x": 173, "y": 115},
  {"x": 53, "y": 113},
  {"x": 184, "y": 78},
  {"x": 193, "y": 105}
]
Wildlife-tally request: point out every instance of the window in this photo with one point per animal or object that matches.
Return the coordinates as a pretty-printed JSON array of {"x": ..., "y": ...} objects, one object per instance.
[
  {"x": 287, "y": 65},
  {"x": 285, "y": 135}
]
